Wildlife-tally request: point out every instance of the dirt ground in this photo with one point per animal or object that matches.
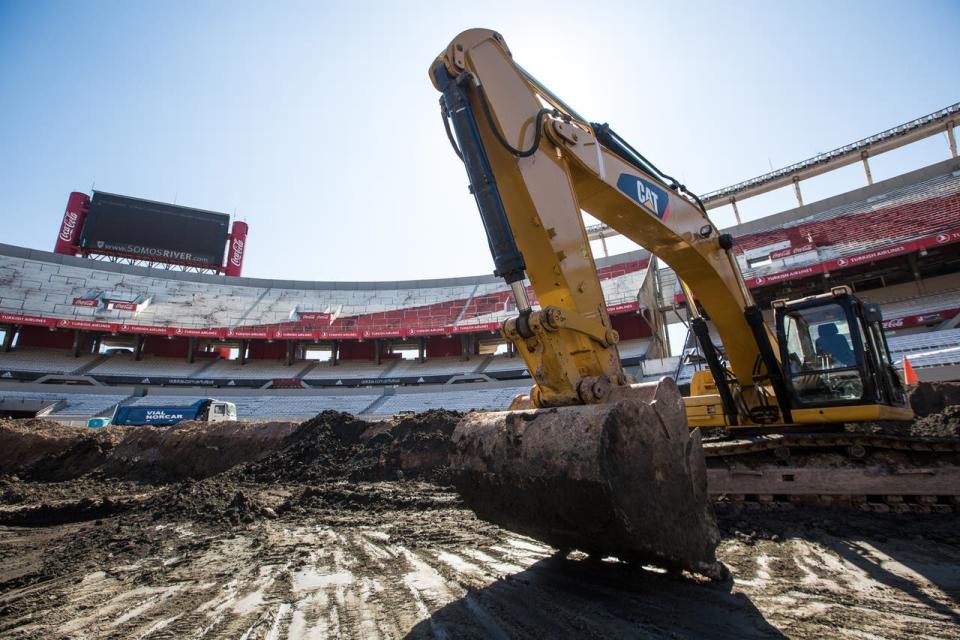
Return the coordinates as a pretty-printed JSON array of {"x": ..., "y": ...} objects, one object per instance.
[{"x": 343, "y": 528}]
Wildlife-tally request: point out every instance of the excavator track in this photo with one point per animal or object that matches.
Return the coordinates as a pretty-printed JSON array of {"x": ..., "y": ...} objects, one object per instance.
[{"x": 872, "y": 472}]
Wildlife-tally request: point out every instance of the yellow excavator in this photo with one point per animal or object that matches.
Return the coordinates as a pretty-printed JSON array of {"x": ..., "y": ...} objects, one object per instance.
[{"x": 589, "y": 459}]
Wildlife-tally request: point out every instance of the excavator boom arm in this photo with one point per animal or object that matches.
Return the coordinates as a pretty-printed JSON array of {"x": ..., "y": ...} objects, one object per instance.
[{"x": 521, "y": 144}]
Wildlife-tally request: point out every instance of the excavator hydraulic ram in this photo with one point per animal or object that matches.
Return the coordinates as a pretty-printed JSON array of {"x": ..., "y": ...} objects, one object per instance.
[{"x": 625, "y": 479}]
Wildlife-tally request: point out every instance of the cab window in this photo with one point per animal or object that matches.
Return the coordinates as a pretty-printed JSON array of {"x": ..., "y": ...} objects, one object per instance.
[
  {"x": 820, "y": 356},
  {"x": 219, "y": 409}
]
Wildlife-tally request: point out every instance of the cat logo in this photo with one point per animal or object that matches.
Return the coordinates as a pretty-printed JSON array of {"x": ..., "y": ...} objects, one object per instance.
[{"x": 645, "y": 193}]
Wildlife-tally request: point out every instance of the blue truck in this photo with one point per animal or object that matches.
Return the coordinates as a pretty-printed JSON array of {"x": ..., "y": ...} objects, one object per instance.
[{"x": 206, "y": 410}]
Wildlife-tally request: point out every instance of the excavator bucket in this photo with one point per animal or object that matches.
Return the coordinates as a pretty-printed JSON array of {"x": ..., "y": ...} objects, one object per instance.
[{"x": 625, "y": 479}]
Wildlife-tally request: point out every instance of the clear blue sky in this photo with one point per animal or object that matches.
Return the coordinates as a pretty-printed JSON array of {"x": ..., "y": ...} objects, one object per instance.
[{"x": 317, "y": 124}]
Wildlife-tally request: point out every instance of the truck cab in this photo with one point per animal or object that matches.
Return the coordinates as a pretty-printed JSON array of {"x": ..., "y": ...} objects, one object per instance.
[{"x": 221, "y": 411}]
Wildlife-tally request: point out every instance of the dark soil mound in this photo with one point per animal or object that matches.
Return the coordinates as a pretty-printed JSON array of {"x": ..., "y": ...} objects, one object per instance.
[
  {"x": 206, "y": 500},
  {"x": 937, "y": 406},
  {"x": 945, "y": 424},
  {"x": 933, "y": 397},
  {"x": 45, "y": 451},
  {"x": 190, "y": 450},
  {"x": 338, "y": 446}
]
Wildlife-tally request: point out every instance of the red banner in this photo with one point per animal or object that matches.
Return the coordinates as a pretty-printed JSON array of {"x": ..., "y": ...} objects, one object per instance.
[
  {"x": 86, "y": 302},
  {"x": 471, "y": 328},
  {"x": 297, "y": 335},
  {"x": 428, "y": 331},
  {"x": 68, "y": 240},
  {"x": 339, "y": 335},
  {"x": 237, "y": 247},
  {"x": 125, "y": 306},
  {"x": 195, "y": 332},
  {"x": 870, "y": 256},
  {"x": 257, "y": 334},
  {"x": 313, "y": 316},
  {"x": 792, "y": 251},
  {"x": 150, "y": 329},
  {"x": 90, "y": 325},
  {"x": 623, "y": 307},
  {"x": 19, "y": 318},
  {"x": 951, "y": 235},
  {"x": 383, "y": 333},
  {"x": 920, "y": 319},
  {"x": 802, "y": 272}
]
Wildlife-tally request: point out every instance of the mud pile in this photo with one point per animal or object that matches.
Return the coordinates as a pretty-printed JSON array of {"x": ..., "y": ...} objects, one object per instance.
[
  {"x": 47, "y": 451},
  {"x": 337, "y": 446},
  {"x": 307, "y": 532},
  {"x": 38, "y": 449},
  {"x": 937, "y": 407},
  {"x": 330, "y": 446},
  {"x": 928, "y": 398}
]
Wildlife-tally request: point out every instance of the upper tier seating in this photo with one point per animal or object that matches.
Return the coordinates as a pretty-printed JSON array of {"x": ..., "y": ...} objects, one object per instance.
[
  {"x": 457, "y": 398},
  {"x": 123, "y": 364},
  {"x": 930, "y": 349},
  {"x": 43, "y": 360},
  {"x": 258, "y": 369},
  {"x": 349, "y": 369},
  {"x": 83, "y": 405},
  {"x": 920, "y": 305},
  {"x": 37, "y": 287},
  {"x": 436, "y": 366},
  {"x": 504, "y": 362},
  {"x": 900, "y": 214}
]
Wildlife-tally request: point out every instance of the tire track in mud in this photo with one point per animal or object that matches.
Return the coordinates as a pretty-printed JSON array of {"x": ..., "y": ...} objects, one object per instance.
[{"x": 440, "y": 573}]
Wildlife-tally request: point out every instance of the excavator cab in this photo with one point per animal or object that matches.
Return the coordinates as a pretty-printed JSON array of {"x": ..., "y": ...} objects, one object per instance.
[{"x": 835, "y": 354}]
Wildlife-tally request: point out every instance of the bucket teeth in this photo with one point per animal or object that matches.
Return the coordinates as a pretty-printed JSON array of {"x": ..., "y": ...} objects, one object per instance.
[{"x": 626, "y": 479}]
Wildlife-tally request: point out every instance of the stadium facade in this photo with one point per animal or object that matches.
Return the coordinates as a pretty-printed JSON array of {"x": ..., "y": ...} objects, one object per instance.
[{"x": 81, "y": 336}]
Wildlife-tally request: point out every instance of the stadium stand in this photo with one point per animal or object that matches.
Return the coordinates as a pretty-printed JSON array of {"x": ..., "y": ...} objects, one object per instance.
[
  {"x": 437, "y": 366},
  {"x": 634, "y": 348},
  {"x": 947, "y": 300},
  {"x": 349, "y": 369},
  {"x": 43, "y": 360},
  {"x": 42, "y": 284},
  {"x": 868, "y": 219},
  {"x": 935, "y": 348},
  {"x": 258, "y": 369},
  {"x": 503, "y": 362},
  {"x": 456, "y": 399},
  {"x": 124, "y": 364},
  {"x": 80, "y": 405}
]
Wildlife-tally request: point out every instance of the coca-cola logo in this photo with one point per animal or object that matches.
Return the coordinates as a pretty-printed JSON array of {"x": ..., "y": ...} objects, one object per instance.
[
  {"x": 893, "y": 324},
  {"x": 237, "y": 256},
  {"x": 69, "y": 224}
]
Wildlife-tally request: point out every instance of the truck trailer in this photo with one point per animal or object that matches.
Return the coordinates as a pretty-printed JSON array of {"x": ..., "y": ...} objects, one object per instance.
[{"x": 206, "y": 410}]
